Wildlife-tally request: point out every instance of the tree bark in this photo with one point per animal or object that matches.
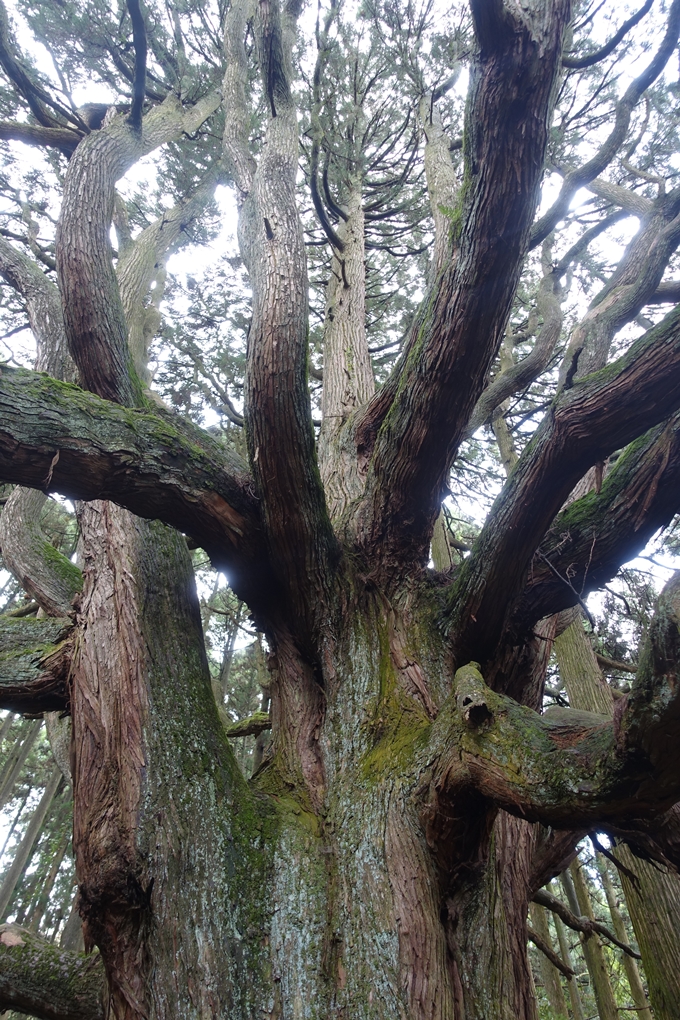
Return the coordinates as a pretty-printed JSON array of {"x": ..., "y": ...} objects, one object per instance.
[
  {"x": 654, "y": 908},
  {"x": 47, "y": 982}
]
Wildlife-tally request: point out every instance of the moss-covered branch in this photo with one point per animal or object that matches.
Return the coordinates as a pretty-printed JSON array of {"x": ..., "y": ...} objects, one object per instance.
[
  {"x": 589, "y": 541},
  {"x": 35, "y": 658},
  {"x": 255, "y": 724},
  {"x": 566, "y": 769},
  {"x": 39, "y": 978},
  {"x": 587, "y": 422},
  {"x": 59, "y": 438}
]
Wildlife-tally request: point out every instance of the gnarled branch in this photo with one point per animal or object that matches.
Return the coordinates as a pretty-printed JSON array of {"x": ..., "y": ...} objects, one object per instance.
[{"x": 54, "y": 436}]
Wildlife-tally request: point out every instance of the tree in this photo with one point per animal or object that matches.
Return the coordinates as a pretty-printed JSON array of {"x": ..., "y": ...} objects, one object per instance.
[{"x": 413, "y": 799}]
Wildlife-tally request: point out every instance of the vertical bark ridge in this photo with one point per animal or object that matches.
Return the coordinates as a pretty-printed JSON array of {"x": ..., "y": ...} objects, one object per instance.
[
  {"x": 156, "y": 868},
  {"x": 348, "y": 380}
]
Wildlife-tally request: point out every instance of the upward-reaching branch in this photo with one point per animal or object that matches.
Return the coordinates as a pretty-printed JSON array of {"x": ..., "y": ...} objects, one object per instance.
[
  {"x": 276, "y": 408},
  {"x": 139, "y": 83},
  {"x": 93, "y": 311},
  {"x": 461, "y": 323}
]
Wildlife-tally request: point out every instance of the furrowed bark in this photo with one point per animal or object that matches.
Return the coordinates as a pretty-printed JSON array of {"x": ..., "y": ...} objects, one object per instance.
[
  {"x": 156, "y": 869},
  {"x": 47, "y": 982},
  {"x": 585, "y": 424},
  {"x": 136, "y": 457},
  {"x": 348, "y": 379},
  {"x": 35, "y": 659},
  {"x": 459, "y": 329}
]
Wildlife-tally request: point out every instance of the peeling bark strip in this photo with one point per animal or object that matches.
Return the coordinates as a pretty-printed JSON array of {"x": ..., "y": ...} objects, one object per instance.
[{"x": 110, "y": 712}]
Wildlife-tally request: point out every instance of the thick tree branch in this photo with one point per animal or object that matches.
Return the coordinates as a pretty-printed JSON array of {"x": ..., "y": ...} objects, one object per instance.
[
  {"x": 56, "y": 437},
  {"x": 62, "y": 138},
  {"x": 589, "y": 540},
  {"x": 567, "y": 769},
  {"x": 277, "y": 410},
  {"x": 593, "y": 168},
  {"x": 93, "y": 311},
  {"x": 585, "y": 424},
  {"x": 139, "y": 83},
  {"x": 35, "y": 661},
  {"x": 460, "y": 326},
  {"x": 50, "y": 983},
  {"x": 604, "y": 51},
  {"x": 582, "y": 924}
]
